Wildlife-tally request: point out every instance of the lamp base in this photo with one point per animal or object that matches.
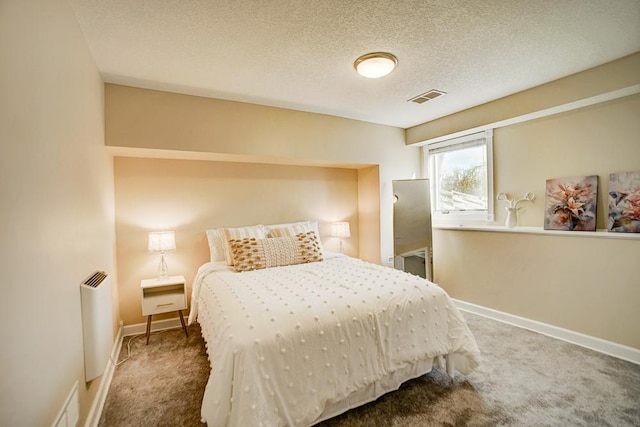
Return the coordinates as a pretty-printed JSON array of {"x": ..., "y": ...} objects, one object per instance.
[{"x": 162, "y": 268}]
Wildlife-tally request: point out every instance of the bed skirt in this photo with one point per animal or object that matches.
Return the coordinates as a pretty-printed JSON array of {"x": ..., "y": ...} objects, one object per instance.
[{"x": 373, "y": 391}]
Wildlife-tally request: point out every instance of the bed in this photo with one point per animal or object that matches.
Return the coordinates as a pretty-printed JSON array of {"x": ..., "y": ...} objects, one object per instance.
[{"x": 297, "y": 343}]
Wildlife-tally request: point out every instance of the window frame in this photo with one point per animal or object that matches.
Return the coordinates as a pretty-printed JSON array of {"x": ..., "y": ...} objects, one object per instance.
[{"x": 461, "y": 217}]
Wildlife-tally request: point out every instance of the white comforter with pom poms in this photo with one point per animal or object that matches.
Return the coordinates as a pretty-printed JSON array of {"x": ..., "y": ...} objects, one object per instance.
[{"x": 287, "y": 343}]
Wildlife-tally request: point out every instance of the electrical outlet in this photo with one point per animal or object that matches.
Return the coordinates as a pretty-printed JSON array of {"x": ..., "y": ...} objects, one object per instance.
[
  {"x": 121, "y": 323},
  {"x": 390, "y": 259}
]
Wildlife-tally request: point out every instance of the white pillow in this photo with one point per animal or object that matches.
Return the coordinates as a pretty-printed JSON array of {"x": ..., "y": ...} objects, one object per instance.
[
  {"x": 226, "y": 234},
  {"x": 216, "y": 246},
  {"x": 293, "y": 229}
]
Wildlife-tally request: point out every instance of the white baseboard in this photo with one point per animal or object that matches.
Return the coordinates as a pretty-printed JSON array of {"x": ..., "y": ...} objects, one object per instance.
[
  {"x": 156, "y": 326},
  {"x": 105, "y": 383},
  {"x": 607, "y": 347}
]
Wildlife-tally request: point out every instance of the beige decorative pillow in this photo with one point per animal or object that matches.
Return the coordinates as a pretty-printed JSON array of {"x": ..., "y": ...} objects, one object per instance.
[
  {"x": 227, "y": 234},
  {"x": 253, "y": 254}
]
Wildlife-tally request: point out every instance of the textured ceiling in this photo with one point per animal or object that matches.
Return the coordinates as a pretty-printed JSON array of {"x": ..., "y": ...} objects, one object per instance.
[{"x": 299, "y": 54}]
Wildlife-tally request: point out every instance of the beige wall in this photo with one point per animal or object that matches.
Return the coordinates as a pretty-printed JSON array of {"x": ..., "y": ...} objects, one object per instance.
[
  {"x": 588, "y": 285},
  {"x": 369, "y": 213},
  {"x": 191, "y": 196},
  {"x": 153, "y": 120},
  {"x": 56, "y": 185},
  {"x": 595, "y": 140}
]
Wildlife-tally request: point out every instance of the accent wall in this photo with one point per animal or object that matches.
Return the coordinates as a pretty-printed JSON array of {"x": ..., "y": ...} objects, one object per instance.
[{"x": 191, "y": 196}]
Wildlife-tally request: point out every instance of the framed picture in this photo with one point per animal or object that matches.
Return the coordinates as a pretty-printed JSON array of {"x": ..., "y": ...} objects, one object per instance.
[
  {"x": 570, "y": 203},
  {"x": 624, "y": 202}
]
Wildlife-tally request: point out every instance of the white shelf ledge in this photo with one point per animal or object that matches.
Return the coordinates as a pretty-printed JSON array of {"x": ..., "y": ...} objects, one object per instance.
[{"x": 599, "y": 234}]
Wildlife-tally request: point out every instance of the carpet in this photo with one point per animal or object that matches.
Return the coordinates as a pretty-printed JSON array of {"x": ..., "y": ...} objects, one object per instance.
[
  {"x": 162, "y": 383},
  {"x": 526, "y": 379}
]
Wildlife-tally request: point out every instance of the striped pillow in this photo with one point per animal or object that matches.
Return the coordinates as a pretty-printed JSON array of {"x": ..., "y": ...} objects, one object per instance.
[
  {"x": 293, "y": 229},
  {"x": 253, "y": 254}
]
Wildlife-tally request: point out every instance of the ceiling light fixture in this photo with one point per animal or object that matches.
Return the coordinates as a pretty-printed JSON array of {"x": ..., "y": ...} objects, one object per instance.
[{"x": 375, "y": 65}]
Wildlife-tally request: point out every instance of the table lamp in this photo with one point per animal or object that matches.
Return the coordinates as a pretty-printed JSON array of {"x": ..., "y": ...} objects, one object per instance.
[{"x": 162, "y": 241}]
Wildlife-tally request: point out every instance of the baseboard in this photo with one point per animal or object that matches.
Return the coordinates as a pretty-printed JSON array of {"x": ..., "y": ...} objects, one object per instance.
[
  {"x": 607, "y": 347},
  {"x": 93, "y": 418},
  {"x": 156, "y": 326}
]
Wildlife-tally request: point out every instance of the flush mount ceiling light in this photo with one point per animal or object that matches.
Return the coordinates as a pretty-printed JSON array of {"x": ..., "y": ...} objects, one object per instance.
[{"x": 375, "y": 65}]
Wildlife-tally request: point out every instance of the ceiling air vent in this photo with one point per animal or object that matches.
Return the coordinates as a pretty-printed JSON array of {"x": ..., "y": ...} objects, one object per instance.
[{"x": 427, "y": 96}]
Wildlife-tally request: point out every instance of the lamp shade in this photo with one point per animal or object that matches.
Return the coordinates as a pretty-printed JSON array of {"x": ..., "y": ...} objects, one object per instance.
[
  {"x": 162, "y": 241},
  {"x": 340, "y": 229}
]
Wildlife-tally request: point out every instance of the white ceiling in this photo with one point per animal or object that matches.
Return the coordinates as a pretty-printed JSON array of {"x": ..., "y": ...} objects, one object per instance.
[{"x": 299, "y": 54}]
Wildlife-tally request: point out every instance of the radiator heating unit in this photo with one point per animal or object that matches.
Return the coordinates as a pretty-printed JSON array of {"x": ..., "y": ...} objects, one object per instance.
[{"x": 97, "y": 323}]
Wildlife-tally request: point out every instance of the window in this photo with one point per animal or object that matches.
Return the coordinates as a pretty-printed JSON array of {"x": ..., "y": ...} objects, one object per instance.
[{"x": 460, "y": 171}]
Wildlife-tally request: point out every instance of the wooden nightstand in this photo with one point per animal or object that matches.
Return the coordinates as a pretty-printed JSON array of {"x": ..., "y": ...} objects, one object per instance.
[{"x": 162, "y": 295}]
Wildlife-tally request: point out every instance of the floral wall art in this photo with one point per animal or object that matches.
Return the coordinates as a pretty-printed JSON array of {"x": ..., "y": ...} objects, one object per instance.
[
  {"x": 624, "y": 202},
  {"x": 571, "y": 203}
]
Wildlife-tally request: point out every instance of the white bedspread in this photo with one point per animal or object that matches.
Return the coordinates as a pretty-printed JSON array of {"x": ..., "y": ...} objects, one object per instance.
[{"x": 285, "y": 342}]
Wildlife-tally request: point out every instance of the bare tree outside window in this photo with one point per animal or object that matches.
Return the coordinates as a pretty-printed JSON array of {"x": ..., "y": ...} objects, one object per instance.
[{"x": 463, "y": 180}]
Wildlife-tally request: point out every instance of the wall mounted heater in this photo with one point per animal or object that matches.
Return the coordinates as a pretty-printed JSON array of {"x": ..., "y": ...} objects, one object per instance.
[{"x": 97, "y": 323}]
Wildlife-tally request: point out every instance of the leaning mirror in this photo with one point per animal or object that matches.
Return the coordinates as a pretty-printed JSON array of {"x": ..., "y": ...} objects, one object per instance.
[{"x": 412, "y": 227}]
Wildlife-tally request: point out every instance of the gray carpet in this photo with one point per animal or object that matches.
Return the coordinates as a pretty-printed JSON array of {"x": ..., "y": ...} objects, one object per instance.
[{"x": 526, "y": 379}]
